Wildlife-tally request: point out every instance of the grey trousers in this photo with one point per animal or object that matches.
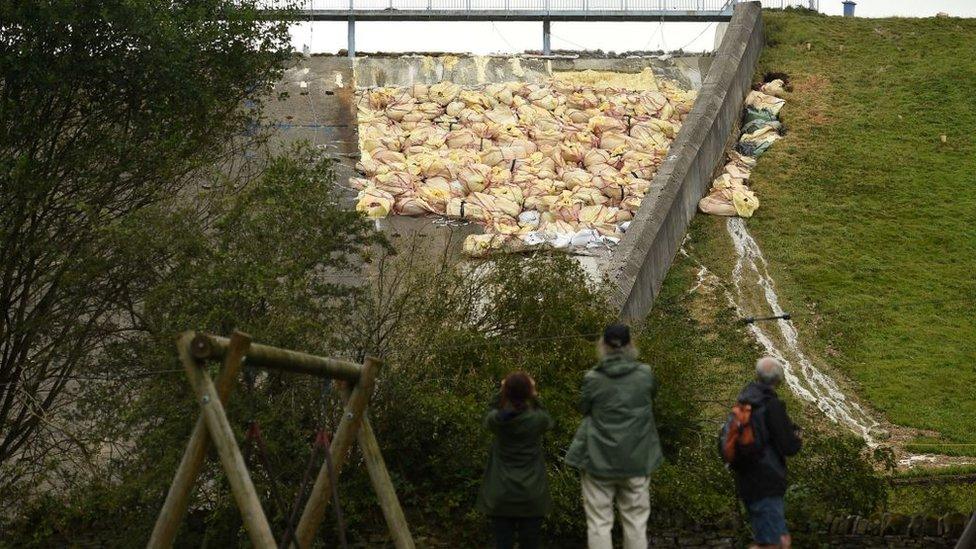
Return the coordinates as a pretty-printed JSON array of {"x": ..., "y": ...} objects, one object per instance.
[{"x": 633, "y": 503}]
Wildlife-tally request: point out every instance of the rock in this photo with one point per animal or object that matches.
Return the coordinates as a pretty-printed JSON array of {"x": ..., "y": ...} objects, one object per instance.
[
  {"x": 894, "y": 524},
  {"x": 952, "y": 525},
  {"x": 930, "y": 525}
]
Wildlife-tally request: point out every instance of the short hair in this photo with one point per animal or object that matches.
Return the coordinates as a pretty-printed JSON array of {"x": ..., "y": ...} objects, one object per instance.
[{"x": 769, "y": 370}]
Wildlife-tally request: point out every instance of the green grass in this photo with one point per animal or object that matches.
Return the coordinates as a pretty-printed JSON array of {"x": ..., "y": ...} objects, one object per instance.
[{"x": 867, "y": 218}]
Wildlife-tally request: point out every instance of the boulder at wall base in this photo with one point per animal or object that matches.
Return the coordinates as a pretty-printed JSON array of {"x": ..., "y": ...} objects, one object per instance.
[
  {"x": 894, "y": 524},
  {"x": 930, "y": 525},
  {"x": 952, "y": 525}
]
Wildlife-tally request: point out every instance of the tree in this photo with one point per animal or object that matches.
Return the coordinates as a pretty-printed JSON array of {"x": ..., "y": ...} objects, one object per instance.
[{"x": 107, "y": 108}]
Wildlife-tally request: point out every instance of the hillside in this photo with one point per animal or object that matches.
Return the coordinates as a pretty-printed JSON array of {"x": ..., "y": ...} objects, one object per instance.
[{"x": 867, "y": 216}]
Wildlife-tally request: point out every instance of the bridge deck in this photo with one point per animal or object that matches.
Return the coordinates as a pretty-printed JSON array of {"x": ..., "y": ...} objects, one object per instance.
[
  {"x": 518, "y": 10},
  {"x": 515, "y": 15}
]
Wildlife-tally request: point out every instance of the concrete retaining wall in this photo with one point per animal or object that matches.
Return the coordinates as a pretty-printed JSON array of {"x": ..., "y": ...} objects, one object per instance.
[
  {"x": 404, "y": 70},
  {"x": 642, "y": 259}
]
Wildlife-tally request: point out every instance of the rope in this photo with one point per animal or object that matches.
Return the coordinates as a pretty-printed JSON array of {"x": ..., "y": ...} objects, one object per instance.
[
  {"x": 502, "y": 36},
  {"x": 682, "y": 48},
  {"x": 254, "y": 436},
  {"x": 340, "y": 523},
  {"x": 296, "y": 507}
]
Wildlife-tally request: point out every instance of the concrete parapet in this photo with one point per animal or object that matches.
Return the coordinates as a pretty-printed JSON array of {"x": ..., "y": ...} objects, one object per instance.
[{"x": 641, "y": 261}]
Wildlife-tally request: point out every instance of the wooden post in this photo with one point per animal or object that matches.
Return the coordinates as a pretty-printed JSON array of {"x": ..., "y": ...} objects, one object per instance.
[
  {"x": 396, "y": 522},
  {"x": 178, "y": 497},
  {"x": 352, "y": 416},
  {"x": 222, "y": 437}
]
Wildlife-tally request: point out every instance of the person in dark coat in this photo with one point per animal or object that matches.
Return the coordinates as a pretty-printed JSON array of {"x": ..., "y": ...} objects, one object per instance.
[
  {"x": 761, "y": 484},
  {"x": 616, "y": 446},
  {"x": 515, "y": 491}
]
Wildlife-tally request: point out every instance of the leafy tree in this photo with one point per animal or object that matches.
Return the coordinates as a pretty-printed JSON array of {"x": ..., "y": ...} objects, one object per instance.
[{"x": 107, "y": 108}]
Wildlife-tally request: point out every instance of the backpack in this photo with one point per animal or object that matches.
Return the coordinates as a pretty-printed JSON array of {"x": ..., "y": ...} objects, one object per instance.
[{"x": 741, "y": 440}]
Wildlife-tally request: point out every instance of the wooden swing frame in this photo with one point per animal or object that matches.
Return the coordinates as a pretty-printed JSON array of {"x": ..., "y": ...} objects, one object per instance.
[{"x": 194, "y": 350}]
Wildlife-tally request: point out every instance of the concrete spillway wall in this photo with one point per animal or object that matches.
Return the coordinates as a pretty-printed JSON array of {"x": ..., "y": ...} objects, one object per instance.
[
  {"x": 641, "y": 261},
  {"x": 321, "y": 108}
]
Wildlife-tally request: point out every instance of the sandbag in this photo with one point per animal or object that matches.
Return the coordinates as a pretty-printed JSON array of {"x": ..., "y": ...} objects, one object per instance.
[
  {"x": 774, "y": 87},
  {"x": 539, "y": 161},
  {"x": 375, "y": 203}
]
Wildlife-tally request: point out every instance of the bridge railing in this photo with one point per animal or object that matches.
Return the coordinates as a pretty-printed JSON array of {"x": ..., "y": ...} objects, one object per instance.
[{"x": 526, "y": 5}]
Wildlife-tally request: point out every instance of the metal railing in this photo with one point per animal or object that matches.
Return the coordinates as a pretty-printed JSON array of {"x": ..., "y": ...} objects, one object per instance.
[
  {"x": 522, "y": 5},
  {"x": 780, "y": 4}
]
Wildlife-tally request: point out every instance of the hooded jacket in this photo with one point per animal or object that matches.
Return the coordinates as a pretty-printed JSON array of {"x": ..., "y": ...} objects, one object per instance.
[
  {"x": 515, "y": 482},
  {"x": 618, "y": 436},
  {"x": 767, "y": 477}
]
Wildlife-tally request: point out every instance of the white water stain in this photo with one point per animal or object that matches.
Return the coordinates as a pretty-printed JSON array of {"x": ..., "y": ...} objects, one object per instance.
[{"x": 754, "y": 286}]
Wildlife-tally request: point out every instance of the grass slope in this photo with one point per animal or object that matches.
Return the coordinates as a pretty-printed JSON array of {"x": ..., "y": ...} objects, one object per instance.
[{"x": 868, "y": 219}]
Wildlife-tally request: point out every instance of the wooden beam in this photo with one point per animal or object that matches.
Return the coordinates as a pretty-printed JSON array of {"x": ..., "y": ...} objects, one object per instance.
[
  {"x": 206, "y": 346},
  {"x": 178, "y": 497},
  {"x": 396, "y": 522},
  {"x": 222, "y": 437},
  {"x": 352, "y": 416}
]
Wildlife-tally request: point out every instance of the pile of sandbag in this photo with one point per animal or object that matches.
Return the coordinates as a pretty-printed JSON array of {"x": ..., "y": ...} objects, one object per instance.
[
  {"x": 560, "y": 165},
  {"x": 730, "y": 194}
]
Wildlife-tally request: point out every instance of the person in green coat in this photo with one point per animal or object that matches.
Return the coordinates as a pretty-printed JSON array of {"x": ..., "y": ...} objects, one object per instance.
[
  {"x": 616, "y": 445},
  {"x": 515, "y": 492}
]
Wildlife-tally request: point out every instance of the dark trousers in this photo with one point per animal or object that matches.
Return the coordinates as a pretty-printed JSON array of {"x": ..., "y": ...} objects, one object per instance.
[{"x": 526, "y": 530}]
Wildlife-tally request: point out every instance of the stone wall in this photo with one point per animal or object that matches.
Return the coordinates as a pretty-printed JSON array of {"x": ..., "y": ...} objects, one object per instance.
[
  {"x": 644, "y": 255},
  {"x": 888, "y": 530}
]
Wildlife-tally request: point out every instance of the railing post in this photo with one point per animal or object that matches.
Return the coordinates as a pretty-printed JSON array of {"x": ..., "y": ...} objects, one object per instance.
[
  {"x": 546, "y": 49},
  {"x": 351, "y": 37}
]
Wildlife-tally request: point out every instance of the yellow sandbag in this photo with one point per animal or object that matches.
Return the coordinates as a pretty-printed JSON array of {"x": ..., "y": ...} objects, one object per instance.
[
  {"x": 397, "y": 111},
  {"x": 599, "y": 124},
  {"x": 594, "y": 157},
  {"x": 462, "y": 138},
  {"x": 726, "y": 181},
  {"x": 396, "y": 183},
  {"x": 742, "y": 160},
  {"x": 474, "y": 176},
  {"x": 443, "y": 93},
  {"x": 745, "y": 201},
  {"x": 476, "y": 100},
  {"x": 717, "y": 204},
  {"x": 766, "y": 102},
  {"x": 454, "y": 108},
  {"x": 501, "y": 116},
  {"x": 575, "y": 177},
  {"x": 597, "y": 215},
  {"x": 737, "y": 171},
  {"x": 436, "y": 192},
  {"x": 411, "y": 205},
  {"x": 358, "y": 183},
  {"x": 643, "y": 80},
  {"x": 460, "y": 208},
  {"x": 774, "y": 88},
  {"x": 388, "y": 157},
  {"x": 502, "y": 224},
  {"x": 572, "y": 152},
  {"x": 589, "y": 196},
  {"x": 482, "y": 245},
  {"x": 375, "y": 203},
  {"x": 511, "y": 193},
  {"x": 630, "y": 203},
  {"x": 613, "y": 140},
  {"x": 766, "y": 134}
]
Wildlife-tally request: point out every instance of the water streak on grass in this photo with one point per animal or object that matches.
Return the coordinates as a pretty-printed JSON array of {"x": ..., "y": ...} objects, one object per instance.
[{"x": 754, "y": 287}]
